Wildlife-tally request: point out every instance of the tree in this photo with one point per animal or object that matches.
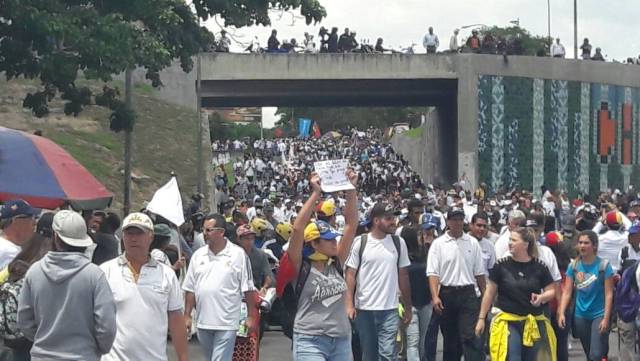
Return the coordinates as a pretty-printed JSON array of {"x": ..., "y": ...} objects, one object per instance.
[
  {"x": 55, "y": 40},
  {"x": 532, "y": 44}
]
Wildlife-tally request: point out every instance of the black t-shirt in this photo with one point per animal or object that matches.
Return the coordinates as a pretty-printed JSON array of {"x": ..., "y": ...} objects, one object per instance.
[{"x": 516, "y": 282}]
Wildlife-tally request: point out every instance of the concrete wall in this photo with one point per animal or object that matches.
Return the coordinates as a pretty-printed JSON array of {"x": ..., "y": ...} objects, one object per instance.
[{"x": 466, "y": 69}]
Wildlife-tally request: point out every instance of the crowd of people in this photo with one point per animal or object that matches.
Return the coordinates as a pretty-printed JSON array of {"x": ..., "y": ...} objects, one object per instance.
[
  {"x": 331, "y": 41},
  {"x": 502, "y": 273}
]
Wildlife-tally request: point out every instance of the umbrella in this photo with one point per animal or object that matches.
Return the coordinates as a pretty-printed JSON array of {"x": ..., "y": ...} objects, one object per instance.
[{"x": 39, "y": 171}]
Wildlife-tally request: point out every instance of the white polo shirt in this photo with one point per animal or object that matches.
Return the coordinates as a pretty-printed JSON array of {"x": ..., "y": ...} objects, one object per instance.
[
  {"x": 377, "y": 283},
  {"x": 455, "y": 261},
  {"x": 142, "y": 309},
  {"x": 219, "y": 282}
]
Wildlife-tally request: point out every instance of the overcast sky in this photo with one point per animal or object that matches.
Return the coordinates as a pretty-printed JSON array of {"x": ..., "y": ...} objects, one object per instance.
[{"x": 611, "y": 25}]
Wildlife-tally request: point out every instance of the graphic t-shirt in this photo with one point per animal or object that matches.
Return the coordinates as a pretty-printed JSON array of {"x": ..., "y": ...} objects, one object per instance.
[
  {"x": 516, "y": 282},
  {"x": 589, "y": 285},
  {"x": 321, "y": 307}
]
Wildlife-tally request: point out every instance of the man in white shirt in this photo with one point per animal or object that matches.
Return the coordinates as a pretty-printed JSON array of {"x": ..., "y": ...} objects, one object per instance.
[
  {"x": 431, "y": 42},
  {"x": 515, "y": 219},
  {"x": 557, "y": 49},
  {"x": 455, "y": 269},
  {"x": 612, "y": 241},
  {"x": 375, "y": 275},
  {"x": 478, "y": 229},
  {"x": 148, "y": 298},
  {"x": 453, "y": 43},
  {"x": 17, "y": 222},
  {"x": 218, "y": 279}
]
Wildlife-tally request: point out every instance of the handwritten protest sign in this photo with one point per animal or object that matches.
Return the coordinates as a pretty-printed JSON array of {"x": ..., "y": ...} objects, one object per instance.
[{"x": 333, "y": 176}]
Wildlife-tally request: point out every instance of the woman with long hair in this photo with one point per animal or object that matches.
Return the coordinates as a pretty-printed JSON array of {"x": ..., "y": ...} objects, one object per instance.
[
  {"x": 520, "y": 330},
  {"x": 591, "y": 277},
  {"x": 321, "y": 329}
]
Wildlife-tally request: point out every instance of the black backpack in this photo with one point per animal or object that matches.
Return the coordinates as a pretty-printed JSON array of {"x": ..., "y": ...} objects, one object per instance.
[{"x": 291, "y": 295}]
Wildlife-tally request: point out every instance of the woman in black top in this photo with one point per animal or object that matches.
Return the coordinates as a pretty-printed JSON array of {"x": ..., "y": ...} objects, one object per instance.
[
  {"x": 518, "y": 280},
  {"x": 420, "y": 295}
]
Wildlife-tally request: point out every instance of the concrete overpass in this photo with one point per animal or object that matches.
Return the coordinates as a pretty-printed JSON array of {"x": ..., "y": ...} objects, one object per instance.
[{"x": 452, "y": 83}]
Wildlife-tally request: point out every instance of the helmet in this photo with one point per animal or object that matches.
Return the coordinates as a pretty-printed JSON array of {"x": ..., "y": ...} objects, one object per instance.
[
  {"x": 284, "y": 230},
  {"x": 259, "y": 225}
]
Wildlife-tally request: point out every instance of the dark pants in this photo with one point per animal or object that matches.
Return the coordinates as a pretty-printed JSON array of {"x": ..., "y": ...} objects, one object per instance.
[
  {"x": 461, "y": 309},
  {"x": 431, "y": 340},
  {"x": 562, "y": 335},
  {"x": 431, "y": 49}
]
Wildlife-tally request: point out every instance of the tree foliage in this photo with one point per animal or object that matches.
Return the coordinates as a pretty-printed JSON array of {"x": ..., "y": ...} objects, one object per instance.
[
  {"x": 56, "y": 40},
  {"x": 341, "y": 117},
  {"x": 532, "y": 44}
]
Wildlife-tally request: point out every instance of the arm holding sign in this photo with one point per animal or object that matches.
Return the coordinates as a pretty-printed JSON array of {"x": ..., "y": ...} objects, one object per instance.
[
  {"x": 350, "y": 218},
  {"x": 297, "y": 236}
]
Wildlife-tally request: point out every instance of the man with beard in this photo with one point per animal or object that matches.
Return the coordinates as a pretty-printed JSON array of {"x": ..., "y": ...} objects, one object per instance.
[{"x": 376, "y": 271}]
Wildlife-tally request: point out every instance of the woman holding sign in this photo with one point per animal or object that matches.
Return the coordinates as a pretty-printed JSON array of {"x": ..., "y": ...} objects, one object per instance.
[{"x": 321, "y": 329}]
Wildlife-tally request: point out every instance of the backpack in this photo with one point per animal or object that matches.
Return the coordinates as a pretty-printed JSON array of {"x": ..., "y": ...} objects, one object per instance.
[
  {"x": 291, "y": 292},
  {"x": 9, "y": 293},
  {"x": 627, "y": 298}
]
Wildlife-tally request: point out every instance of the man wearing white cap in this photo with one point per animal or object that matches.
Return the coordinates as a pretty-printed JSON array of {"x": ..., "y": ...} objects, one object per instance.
[
  {"x": 148, "y": 298},
  {"x": 66, "y": 306}
]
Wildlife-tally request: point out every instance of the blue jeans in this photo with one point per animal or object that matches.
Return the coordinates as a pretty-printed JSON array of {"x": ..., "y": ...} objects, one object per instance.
[
  {"x": 417, "y": 332},
  {"x": 377, "y": 331},
  {"x": 321, "y": 348},
  {"x": 217, "y": 344},
  {"x": 594, "y": 344},
  {"x": 517, "y": 351}
]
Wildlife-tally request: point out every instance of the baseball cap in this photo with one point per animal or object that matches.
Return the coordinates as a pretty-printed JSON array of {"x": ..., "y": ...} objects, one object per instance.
[
  {"x": 45, "y": 224},
  {"x": 635, "y": 228},
  {"x": 244, "y": 230},
  {"x": 613, "y": 218},
  {"x": 138, "y": 220},
  {"x": 516, "y": 214},
  {"x": 454, "y": 212},
  {"x": 17, "y": 208},
  {"x": 553, "y": 238},
  {"x": 429, "y": 221},
  {"x": 319, "y": 229},
  {"x": 381, "y": 209},
  {"x": 326, "y": 208},
  {"x": 162, "y": 230},
  {"x": 71, "y": 229}
]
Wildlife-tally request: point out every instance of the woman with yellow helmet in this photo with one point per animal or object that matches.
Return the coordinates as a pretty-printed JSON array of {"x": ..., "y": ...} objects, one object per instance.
[{"x": 321, "y": 328}]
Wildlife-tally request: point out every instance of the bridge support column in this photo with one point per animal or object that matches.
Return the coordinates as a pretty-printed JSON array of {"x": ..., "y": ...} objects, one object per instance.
[{"x": 467, "y": 130}]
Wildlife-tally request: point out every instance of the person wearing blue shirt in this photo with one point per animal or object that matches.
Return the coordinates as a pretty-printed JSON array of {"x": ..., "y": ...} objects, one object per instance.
[{"x": 592, "y": 278}]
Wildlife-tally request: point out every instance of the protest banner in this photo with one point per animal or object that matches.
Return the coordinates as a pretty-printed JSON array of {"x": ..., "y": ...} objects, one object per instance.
[{"x": 333, "y": 175}]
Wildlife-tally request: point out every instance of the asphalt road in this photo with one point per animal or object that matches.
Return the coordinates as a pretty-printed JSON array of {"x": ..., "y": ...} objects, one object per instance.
[{"x": 276, "y": 347}]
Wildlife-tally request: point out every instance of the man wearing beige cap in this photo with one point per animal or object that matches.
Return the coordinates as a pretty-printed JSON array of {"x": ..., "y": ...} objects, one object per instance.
[
  {"x": 66, "y": 306},
  {"x": 148, "y": 298}
]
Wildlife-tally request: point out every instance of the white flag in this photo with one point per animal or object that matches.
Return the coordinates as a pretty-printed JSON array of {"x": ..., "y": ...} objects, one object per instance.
[{"x": 167, "y": 203}]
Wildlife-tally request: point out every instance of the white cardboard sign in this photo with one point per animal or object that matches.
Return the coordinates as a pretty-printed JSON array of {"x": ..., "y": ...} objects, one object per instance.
[{"x": 333, "y": 175}]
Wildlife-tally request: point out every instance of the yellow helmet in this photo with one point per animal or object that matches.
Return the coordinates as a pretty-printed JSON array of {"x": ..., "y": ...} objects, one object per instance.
[
  {"x": 284, "y": 230},
  {"x": 259, "y": 225}
]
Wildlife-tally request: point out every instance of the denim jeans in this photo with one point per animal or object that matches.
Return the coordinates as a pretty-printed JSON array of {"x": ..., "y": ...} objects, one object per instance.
[
  {"x": 217, "y": 344},
  {"x": 417, "y": 332},
  {"x": 594, "y": 344},
  {"x": 377, "y": 331},
  {"x": 516, "y": 350},
  {"x": 321, "y": 348}
]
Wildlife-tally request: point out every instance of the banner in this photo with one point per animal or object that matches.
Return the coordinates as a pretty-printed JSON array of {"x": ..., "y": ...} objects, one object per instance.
[
  {"x": 304, "y": 127},
  {"x": 316, "y": 130},
  {"x": 167, "y": 203}
]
